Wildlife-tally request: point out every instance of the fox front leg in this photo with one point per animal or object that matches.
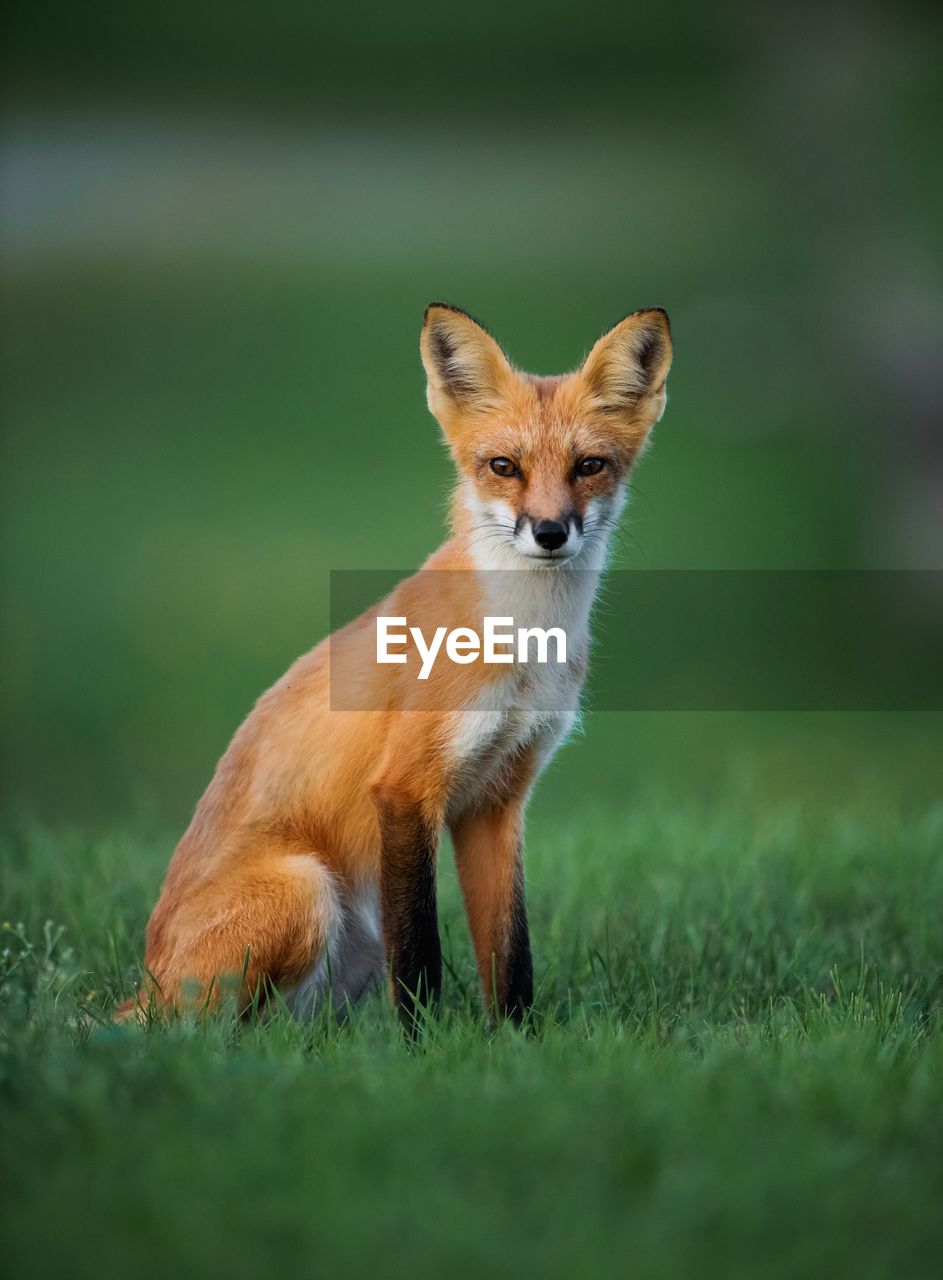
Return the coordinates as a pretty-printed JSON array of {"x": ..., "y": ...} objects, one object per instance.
[
  {"x": 408, "y": 907},
  {"x": 491, "y": 872}
]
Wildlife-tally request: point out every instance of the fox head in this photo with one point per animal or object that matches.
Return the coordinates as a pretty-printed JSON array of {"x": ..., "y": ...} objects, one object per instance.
[{"x": 542, "y": 462}]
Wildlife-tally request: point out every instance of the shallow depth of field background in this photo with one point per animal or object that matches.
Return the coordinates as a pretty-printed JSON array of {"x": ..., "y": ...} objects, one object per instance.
[{"x": 220, "y": 228}]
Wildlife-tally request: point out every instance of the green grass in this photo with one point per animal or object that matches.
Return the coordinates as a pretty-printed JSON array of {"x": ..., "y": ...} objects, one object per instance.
[{"x": 735, "y": 1068}]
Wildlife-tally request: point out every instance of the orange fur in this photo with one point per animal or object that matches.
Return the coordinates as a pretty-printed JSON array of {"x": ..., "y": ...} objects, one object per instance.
[
  {"x": 489, "y": 856},
  {"x": 311, "y": 809}
]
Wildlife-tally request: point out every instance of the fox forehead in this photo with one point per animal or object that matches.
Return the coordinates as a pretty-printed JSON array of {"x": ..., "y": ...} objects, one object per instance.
[
  {"x": 546, "y": 387},
  {"x": 543, "y": 422}
]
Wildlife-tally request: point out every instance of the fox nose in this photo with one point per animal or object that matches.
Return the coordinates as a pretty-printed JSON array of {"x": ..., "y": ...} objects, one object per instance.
[{"x": 550, "y": 534}]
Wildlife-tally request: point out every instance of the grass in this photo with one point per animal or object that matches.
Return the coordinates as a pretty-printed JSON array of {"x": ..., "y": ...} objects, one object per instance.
[{"x": 735, "y": 1068}]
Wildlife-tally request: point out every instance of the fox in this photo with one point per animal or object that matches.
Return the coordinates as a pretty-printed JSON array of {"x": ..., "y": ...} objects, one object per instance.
[{"x": 309, "y": 868}]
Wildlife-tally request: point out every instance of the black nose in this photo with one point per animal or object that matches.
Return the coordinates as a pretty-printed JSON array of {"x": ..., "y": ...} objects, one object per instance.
[{"x": 550, "y": 534}]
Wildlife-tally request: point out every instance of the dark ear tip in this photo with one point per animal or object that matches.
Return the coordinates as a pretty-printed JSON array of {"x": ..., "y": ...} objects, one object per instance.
[
  {"x": 442, "y": 306},
  {"x": 664, "y": 321}
]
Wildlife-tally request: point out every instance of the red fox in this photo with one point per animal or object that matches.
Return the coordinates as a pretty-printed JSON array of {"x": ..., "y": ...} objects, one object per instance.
[{"x": 310, "y": 863}]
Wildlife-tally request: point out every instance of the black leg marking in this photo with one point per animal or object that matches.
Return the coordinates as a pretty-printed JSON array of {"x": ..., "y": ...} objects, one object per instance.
[
  {"x": 518, "y": 994},
  {"x": 410, "y": 917}
]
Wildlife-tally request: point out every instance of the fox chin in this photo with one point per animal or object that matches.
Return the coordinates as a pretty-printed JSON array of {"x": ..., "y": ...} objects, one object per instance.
[{"x": 309, "y": 867}]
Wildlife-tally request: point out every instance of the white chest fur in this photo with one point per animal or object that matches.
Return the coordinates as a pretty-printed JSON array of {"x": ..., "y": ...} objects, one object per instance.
[{"x": 533, "y": 704}]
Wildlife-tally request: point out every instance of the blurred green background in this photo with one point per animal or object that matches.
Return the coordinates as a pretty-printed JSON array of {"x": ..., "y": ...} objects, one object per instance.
[{"x": 219, "y": 231}]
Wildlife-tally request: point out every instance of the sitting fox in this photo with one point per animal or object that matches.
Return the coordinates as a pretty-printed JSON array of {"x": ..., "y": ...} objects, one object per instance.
[{"x": 310, "y": 864}]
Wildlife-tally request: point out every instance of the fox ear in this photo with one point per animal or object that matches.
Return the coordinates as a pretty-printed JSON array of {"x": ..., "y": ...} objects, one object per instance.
[
  {"x": 465, "y": 367},
  {"x": 626, "y": 370}
]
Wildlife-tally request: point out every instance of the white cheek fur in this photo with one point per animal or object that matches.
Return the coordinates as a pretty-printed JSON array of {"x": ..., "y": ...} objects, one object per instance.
[
  {"x": 492, "y": 537},
  {"x": 497, "y": 543}
]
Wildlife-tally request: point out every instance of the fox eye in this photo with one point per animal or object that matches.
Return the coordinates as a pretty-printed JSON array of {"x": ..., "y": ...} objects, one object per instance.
[
  {"x": 503, "y": 467},
  {"x": 590, "y": 466}
]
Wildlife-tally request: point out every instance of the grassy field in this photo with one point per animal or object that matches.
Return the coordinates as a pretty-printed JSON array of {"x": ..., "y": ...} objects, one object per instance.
[{"x": 735, "y": 1068}]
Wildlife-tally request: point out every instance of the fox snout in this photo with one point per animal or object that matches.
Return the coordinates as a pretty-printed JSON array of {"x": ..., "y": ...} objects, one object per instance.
[
  {"x": 552, "y": 535},
  {"x": 541, "y": 536}
]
